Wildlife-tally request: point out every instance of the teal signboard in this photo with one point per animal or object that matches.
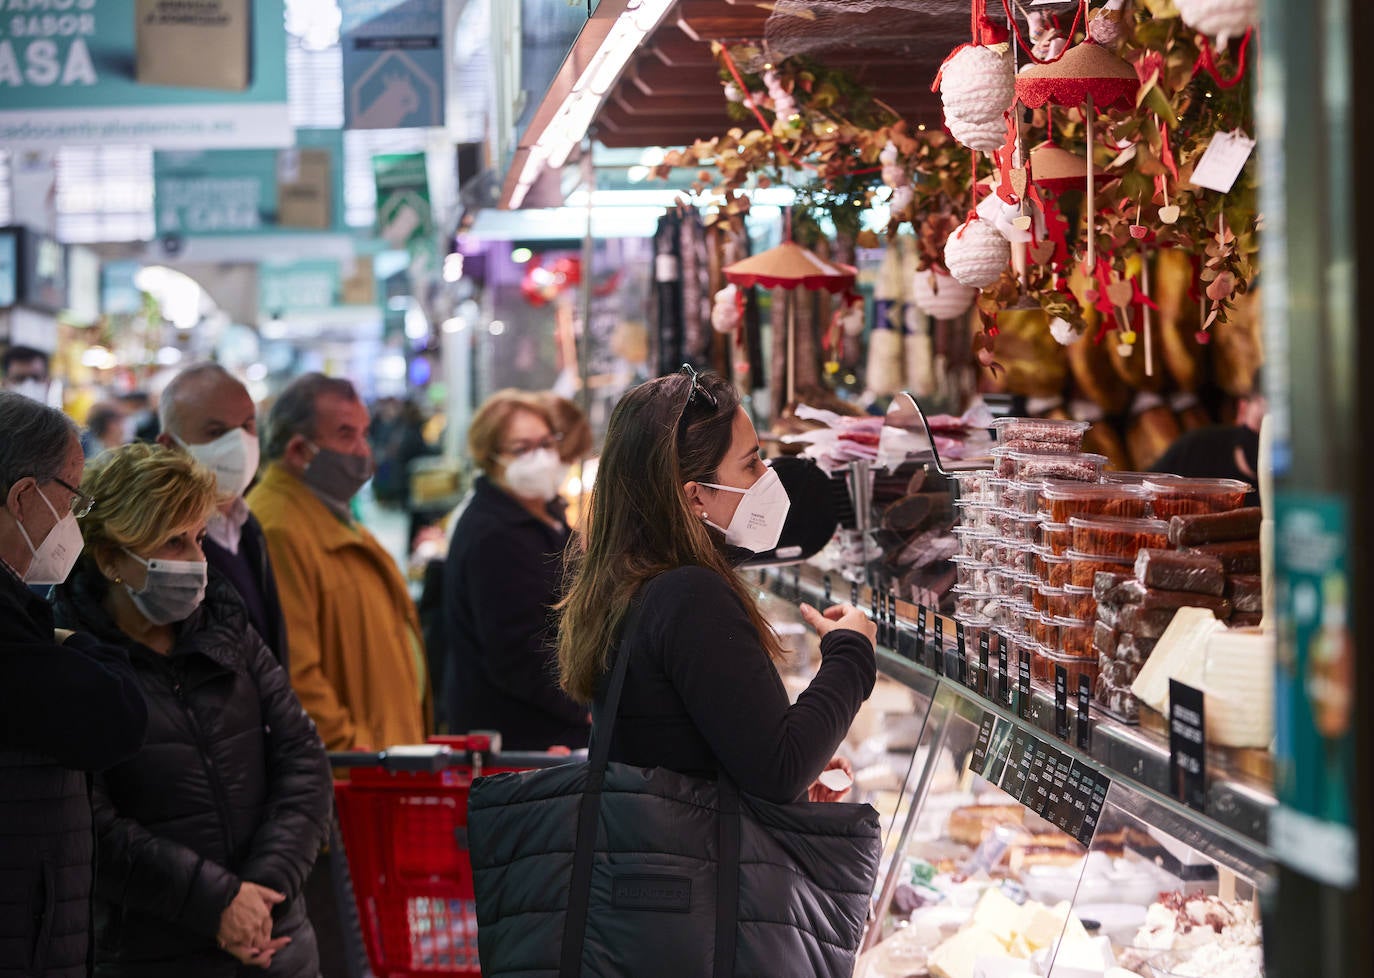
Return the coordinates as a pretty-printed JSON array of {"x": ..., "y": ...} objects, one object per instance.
[
  {"x": 404, "y": 217},
  {"x": 393, "y": 63},
  {"x": 298, "y": 286},
  {"x": 166, "y": 73},
  {"x": 1312, "y": 830},
  {"x": 239, "y": 191}
]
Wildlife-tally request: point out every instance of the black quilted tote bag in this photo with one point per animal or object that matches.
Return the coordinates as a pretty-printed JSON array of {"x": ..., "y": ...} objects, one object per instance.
[{"x": 595, "y": 870}]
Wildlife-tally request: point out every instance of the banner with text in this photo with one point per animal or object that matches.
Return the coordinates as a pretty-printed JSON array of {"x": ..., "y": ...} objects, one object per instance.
[
  {"x": 167, "y": 73},
  {"x": 393, "y": 63},
  {"x": 252, "y": 191}
]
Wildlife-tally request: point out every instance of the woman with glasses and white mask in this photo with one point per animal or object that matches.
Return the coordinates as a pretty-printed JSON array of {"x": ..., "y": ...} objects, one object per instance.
[
  {"x": 501, "y": 579},
  {"x": 207, "y": 834}
]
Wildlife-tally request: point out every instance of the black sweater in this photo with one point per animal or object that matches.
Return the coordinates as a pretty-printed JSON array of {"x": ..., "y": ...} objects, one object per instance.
[{"x": 701, "y": 692}]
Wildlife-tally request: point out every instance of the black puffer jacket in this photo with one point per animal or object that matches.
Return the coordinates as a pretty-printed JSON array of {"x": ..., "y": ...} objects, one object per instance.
[
  {"x": 232, "y": 784},
  {"x": 65, "y": 709}
]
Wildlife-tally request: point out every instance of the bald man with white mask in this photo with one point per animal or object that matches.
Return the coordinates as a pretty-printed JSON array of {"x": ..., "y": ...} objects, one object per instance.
[{"x": 208, "y": 412}]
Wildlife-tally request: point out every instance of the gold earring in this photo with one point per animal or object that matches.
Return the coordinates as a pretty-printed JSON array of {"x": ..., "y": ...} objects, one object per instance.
[{"x": 118, "y": 579}]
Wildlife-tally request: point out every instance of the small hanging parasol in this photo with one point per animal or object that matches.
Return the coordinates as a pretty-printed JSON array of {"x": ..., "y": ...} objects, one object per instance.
[
  {"x": 1057, "y": 170},
  {"x": 1088, "y": 75},
  {"x": 790, "y": 266}
]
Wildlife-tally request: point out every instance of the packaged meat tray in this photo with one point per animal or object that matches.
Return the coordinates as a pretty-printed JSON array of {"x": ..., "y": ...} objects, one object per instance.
[
  {"x": 974, "y": 485},
  {"x": 1056, "y": 537},
  {"x": 1173, "y": 571},
  {"x": 1060, "y": 501},
  {"x": 1033, "y": 466},
  {"x": 1022, "y": 497},
  {"x": 1238, "y": 524},
  {"x": 1080, "y": 602},
  {"x": 1133, "y": 592},
  {"x": 974, "y": 544},
  {"x": 1187, "y": 497},
  {"x": 1084, "y": 567},
  {"x": 1112, "y": 536},
  {"x": 1039, "y": 431},
  {"x": 971, "y": 574},
  {"x": 1237, "y": 556},
  {"x": 1246, "y": 593},
  {"x": 1014, "y": 525},
  {"x": 1044, "y": 661},
  {"x": 974, "y": 514},
  {"x": 1014, "y": 555},
  {"x": 1049, "y": 568}
]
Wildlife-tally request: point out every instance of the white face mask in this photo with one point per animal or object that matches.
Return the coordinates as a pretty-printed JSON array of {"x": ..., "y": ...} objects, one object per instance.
[
  {"x": 33, "y": 389},
  {"x": 173, "y": 590},
  {"x": 757, "y": 523},
  {"x": 233, "y": 457},
  {"x": 536, "y": 475},
  {"x": 54, "y": 558}
]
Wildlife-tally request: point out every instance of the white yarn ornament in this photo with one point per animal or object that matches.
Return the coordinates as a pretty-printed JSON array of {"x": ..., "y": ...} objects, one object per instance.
[
  {"x": 937, "y": 294},
  {"x": 725, "y": 317},
  {"x": 1064, "y": 332},
  {"x": 977, "y": 86},
  {"x": 977, "y": 254},
  {"x": 1222, "y": 19}
]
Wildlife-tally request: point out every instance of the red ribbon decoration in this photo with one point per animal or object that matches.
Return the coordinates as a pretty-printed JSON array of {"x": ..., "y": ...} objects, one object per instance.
[{"x": 1207, "y": 61}]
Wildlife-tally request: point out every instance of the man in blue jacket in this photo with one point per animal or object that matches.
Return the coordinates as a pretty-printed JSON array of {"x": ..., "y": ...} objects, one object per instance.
[{"x": 68, "y": 705}]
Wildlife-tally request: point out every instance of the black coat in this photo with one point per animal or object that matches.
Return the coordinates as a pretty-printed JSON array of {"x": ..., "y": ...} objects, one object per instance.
[
  {"x": 64, "y": 710},
  {"x": 250, "y": 571},
  {"x": 503, "y": 575},
  {"x": 232, "y": 784}
]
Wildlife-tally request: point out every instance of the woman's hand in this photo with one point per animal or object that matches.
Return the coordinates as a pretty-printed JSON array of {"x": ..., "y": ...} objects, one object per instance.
[
  {"x": 247, "y": 922},
  {"x": 819, "y": 792},
  {"x": 257, "y": 957},
  {"x": 840, "y": 616}
]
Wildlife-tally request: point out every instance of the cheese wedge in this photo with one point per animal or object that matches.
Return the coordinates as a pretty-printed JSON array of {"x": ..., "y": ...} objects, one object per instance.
[{"x": 1179, "y": 654}]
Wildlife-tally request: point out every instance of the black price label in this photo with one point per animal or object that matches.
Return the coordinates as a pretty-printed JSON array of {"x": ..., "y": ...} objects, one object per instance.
[
  {"x": 1073, "y": 807},
  {"x": 1061, "y": 702},
  {"x": 983, "y": 673},
  {"x": 796, "y": 582},
  {"x": 1084, "y": 726},
  {"x": 921, "y": 633},
  {"x": 979, "y": 761},
  {"x": 892, "y": 615},
  {"x": 827, "y": 585},
  {"x": 1018, "y": 764},
  {"x": 1187, "y": 745},
  {"x": 1023, "y": 685},
  {"x": 1003, "y": 681},
  {"x": 961, "y": 652},
  {"x": 1035, "y": 794},
  {"x": 1095, "y": 788},
  {"x": 854, "y": 593},
  {"x": 1065, "y": 815}
]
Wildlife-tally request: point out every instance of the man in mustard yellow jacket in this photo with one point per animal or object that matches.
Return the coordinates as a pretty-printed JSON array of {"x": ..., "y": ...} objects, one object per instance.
[{"x": 357, "y": 656}]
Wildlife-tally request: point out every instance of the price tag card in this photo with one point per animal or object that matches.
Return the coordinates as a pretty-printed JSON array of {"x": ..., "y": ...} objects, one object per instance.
[
  {"x": 1084, "y": 723},
  {"x": 961, "y": 652},
  {"x": 1187, "y": 745},
  {"x": 1023, "y": 686},
  {"x": 1003, "y": 680},
  {"x": 1056, "y": 778},
  {"x": 980, "y": 746},
  {"x": 999, "y": 752},
  {"x": 921, "y": 633},
  {"x": 1222, "y": 161},
  {"x": 828, "y": 585},
  {"x": 1061, "y": 702},
  {"x": 1013, "y": 780},
  {"x": 1068, "y": 816},
  {"x": 1095, "y": 789},
  {"x": 983, "y": 673},
  {"x": 1035, "y": 795},
  {"x": 892, "y": 615}
]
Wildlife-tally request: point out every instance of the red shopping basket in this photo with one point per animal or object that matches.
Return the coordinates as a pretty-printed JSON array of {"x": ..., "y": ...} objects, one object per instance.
[{"x": 403, "y": 815}]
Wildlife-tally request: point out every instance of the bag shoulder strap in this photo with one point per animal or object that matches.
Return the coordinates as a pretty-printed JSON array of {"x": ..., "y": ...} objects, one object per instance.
[{"x": 589, "y": 810}]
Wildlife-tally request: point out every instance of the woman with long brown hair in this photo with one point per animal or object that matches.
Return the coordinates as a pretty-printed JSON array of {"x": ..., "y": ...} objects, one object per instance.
[{"x": 680, "y": 493}]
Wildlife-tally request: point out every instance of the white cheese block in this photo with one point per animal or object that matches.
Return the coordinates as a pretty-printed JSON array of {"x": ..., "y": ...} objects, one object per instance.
[
  {"x": 999, "y": 915},
  {"x": 1238, "y": 678},
  {"x": 1179, "y": 654},
  {"x": 957, "y": 956}
]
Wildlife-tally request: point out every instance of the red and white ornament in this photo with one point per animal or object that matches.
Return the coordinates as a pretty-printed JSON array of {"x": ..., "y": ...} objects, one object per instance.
[
  {"x": 1222, "y": 19},
  {"x": 938, "y": 294},
  {"x": 978, "y": 85},
  {"x": 977, "y": 253}
]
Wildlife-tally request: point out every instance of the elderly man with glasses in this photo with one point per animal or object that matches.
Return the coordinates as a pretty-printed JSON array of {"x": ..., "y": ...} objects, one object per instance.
[{"x": 69, "y": 705}]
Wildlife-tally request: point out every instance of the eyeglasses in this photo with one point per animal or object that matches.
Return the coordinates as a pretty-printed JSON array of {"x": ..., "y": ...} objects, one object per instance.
[
  {"x": 690, "y": 372},
  {"x": 81, "y": 503},
  {"x": 525, "y": 447}
]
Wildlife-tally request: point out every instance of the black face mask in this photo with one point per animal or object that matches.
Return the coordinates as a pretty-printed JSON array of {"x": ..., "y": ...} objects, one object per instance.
[{"x": 337, "y": 476}]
